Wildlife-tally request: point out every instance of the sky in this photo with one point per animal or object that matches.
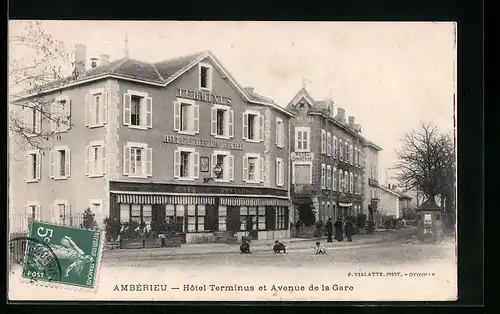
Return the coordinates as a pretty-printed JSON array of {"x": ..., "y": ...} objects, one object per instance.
[{"x": 389, "y": 76}]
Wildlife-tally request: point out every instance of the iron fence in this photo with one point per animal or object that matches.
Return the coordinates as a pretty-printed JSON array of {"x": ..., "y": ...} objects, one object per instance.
[{"x": 18, "y": 231}]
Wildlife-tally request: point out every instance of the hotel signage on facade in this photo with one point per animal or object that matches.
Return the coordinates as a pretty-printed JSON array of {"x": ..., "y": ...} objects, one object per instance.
[
  {"x": 202, "y": 96},
  {"x": 302, "y": 156},
  {"x": 192, "y": 141}
]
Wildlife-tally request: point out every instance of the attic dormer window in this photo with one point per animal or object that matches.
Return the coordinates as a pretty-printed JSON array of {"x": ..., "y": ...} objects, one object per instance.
[
  {"x": 301, "y": 105},
  {"x": 205, "y": 76}
]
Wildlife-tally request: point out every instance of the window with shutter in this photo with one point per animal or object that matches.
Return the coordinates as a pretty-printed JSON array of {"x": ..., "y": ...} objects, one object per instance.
[
  {"x": 32, "y": 166},
  {"x": 253, "y": 126},
  {"x": 224, "y": 159},
  {"x": 137, "y": 110},
  {"x": 253, "y": 168},
  {"x": 222, "y": 121},
  {"x": 323, "y": 141},
  {"x": 328, "y": 143},
  {"x": 138, "y": 160},
  {"x": 231, "y": 167},
  {"x": 323, "y": 178},
  {"x": 61, "y": 162},
  {"x": 186, "y": 164},
  {"x": 334, "y": 179},
  {"x": 328, "y": 177},
  {"x": 187, "y": 117}
]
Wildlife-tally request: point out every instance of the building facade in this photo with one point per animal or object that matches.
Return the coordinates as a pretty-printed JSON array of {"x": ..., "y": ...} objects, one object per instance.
[
  {"x": 326, "y": 160},
  {"x": 178, "y": 140},
  {"x": 370, "y": 175},
  {"x": 388, "y": 204}
]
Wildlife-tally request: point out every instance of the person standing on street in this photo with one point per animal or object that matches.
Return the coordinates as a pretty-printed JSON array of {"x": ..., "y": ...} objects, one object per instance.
[
  {"x": 329, "y": 229},
  {"x": 339, "y": 230},
  {"x": 348, "y": 229}
]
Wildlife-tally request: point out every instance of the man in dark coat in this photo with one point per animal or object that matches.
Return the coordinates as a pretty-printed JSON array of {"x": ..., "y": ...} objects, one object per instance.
[
  {"x": 339, "y": 230},
  {"x": 348, "y": 229},
  {"x": 329, "y": 230}
]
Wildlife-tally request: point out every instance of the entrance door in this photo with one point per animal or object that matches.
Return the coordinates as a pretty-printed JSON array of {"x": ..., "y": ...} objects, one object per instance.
[
  {"x": 158, "y": 217},
  {"x": 211, "y": 218},
  {"x": 233, "y": 218}
]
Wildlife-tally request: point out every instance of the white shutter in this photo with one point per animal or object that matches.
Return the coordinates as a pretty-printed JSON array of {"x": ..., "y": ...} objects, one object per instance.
[
  {"x": 323, "y": 141},
  {"x": 262, "y": 124},
  {"x": 177, "y": 116},
  {"x": 334, "y": 179},
  {"x": 329, "y": 143},
  {"x": 104, "y": 159},
  {"x": 213, "y": 119},
  {"x": 87, "y": 161},
  {"x": 87, "y": 110},
  {"x": 230, "y": 167},
  {"x": 54, "y": 116},
  {"x": 277, "y": 132},
  {"x": 54, "y": 213},
  {"x": 261, "y": 167},
  {"x": 245, "y": 126},
  {"x": 213, "y": 162},
  {"x": 149, "y": 112},
  {"x": 282, "y": 134},
  {"x": 126, "y": 160},
  {"x": 230, "y": 125},
  {"x": 149, "y": 162},
  {"x": 52, "y": 159},
  {"x": 39, "y": 122},
  {"x": 245, "y": 168},
  {"x": 196, "y": 165},
  {"x": 297, "y": 134},
  {"x": 277, "y": 166},
  {"x": 177, "y": 163},
  {"x": 127, "y": 109},
  {"x": 196, "y": 119},
  {"x": 27, "y": 166},
  {"x": 67, "y": 163},
  {"x": 105, "y": 100},
  {"x": 28, "y": 125},
  {"x": 67, "y": 208}
]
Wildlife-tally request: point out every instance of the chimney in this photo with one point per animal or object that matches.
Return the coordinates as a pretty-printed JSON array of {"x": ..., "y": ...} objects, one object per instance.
[
  {"x": 351, "y": 121},
  {"x": 81, "y": 59},
  {"x": 103, "y": 59},
  {"x": 341, "y": 114},
  {"x": 248, "y": 89}
]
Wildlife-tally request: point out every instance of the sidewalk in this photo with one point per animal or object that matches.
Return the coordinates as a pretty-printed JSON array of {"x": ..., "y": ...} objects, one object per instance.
[{"x": 259, "y": 245}]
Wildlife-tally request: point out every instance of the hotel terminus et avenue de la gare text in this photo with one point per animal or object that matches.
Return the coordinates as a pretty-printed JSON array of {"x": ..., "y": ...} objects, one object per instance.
[{"x": 180, "y": 140}]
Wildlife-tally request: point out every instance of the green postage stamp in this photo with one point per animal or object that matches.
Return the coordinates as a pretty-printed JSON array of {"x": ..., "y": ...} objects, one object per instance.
[{"x": 63, "y": 255}]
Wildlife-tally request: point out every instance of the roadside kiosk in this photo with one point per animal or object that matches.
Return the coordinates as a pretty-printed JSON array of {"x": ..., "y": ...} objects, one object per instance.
[{"x": 429, "y": 222}]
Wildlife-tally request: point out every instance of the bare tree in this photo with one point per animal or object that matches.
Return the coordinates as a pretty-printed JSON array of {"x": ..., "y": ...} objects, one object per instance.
[
  {"x": 426, "y": 163},
  {"x": 36, "y": 63}
]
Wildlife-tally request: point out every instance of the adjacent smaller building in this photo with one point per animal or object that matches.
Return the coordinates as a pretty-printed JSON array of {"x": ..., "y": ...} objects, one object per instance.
[{"x": 388, "y": 202}]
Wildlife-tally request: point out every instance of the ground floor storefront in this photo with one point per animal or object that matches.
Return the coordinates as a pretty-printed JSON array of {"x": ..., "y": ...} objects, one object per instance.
[
  {"x": 200, "y": 210},
  {"x": 326, "y": 206}
]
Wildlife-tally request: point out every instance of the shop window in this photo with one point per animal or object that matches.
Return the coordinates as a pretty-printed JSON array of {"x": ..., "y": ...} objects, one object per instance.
[
  {"x": 136, "y": 212},
  {"x": 174, "y": 215},
  {"x": 249, "y": 218},
  {"x": 196, "y": 218},
  {"x": 281, "y": 218}
]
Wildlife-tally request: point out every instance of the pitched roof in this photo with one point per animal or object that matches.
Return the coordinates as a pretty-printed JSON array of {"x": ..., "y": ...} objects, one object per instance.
[
  {"x": 389, "y": 190},
  {"x": 159, "y": 73}
]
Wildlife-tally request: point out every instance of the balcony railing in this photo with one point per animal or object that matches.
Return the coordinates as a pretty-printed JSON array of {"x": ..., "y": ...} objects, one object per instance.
[{"x": 372, "y": 182}]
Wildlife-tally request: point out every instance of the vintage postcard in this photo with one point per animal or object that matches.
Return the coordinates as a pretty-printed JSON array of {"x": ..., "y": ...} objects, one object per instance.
[{"x": 232, "y": 161}]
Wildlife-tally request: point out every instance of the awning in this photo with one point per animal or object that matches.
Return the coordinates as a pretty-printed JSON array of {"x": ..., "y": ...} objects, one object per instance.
[
  {"x": 164, "y": 199},
  {"x": 253, "y": 201}
]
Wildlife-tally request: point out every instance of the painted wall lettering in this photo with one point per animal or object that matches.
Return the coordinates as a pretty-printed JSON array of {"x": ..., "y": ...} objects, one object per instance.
[
  {"x": 202, "y": 96},
  {"x": 191, "y": 141}
]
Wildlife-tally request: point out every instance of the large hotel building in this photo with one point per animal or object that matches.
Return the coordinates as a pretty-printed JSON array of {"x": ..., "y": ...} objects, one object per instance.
[{"x": 178, "y": 140}]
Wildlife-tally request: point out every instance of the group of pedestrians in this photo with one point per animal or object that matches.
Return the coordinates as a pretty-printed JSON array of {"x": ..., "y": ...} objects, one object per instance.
[{"x": 339, "y": 227}]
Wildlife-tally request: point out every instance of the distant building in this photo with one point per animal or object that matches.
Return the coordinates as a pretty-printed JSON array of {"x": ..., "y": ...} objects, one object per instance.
[
  {"x": 389, "y": 201},
  {"x": 327, "y": 158}
]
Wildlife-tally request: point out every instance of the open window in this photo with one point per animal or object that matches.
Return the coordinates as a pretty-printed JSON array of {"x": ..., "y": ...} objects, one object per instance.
[{"x": 137, "y": 110}]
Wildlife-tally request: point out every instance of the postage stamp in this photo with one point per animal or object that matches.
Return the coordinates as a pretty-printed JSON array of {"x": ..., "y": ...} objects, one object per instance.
[{"x": 62, "y": 255}]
